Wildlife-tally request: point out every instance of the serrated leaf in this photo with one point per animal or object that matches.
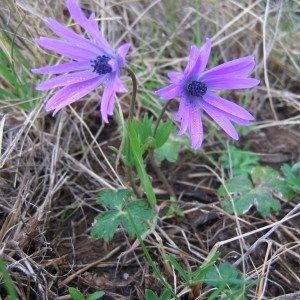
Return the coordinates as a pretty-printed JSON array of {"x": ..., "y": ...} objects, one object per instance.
[
  {"x": 269, "y": 180},
  {"x": 162, "y": 134},
  {"x": 241, "y": 161},
  {"x": 169, "y": 151},
  {"x": 143, "y": 130},
  {"x": 238, "y": 184},
  {"x": 140, "y": 214},
  {"x": 265, "y": 182},
  {"x": 226, "y": 273},
  {"x": 106, "y": 225},
  {"x": 114, "y": 199}
]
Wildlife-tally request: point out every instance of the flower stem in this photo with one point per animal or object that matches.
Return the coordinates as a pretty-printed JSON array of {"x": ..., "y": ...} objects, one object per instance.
[
  {"x": 160, "y": 117},
  {"x": 160, "y": 174},
  {"x": 134, "y": 89},
  {"x": 131, "y": 110}
]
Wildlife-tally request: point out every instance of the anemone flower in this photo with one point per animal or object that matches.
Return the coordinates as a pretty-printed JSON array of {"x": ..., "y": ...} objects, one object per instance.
[
  {"x": 195, "y": 87},
  {"x": 93, "y": 63}
]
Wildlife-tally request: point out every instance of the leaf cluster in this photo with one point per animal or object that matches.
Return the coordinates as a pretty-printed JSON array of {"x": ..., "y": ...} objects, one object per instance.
[
  {"x": 119, "y": 214},
  {"x": 228, "y": 281},
  {"x": 259, "y": 189}
]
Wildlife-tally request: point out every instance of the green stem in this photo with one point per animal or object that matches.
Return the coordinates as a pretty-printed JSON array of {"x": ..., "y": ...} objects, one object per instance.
[
  {"x": 131, "y": 110},
  {"x": 160, "y": 117},
  {"x": 150, "y": 260},
  {"x": 157, "y": 169},
  {"x": 134, "y": 89},
  {"x": 132, "y": 182},
  {"x": 160, "y": 174}
]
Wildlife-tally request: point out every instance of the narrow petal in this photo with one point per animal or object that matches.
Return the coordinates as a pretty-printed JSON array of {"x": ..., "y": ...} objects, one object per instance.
[
  {"x": 237, "y": 68},
  {"x": 118, "y": 85},
  {"x": 89, "y": 24},
  {"x": 227, "y": 106},
  {"x": 66, "y": 49},
  {"x": 72, "y": 93},
  {"x": 63, "y": 68},
  {"x": 176, "y": 77},
  {"x": 235, "y": 119},
  {"x": 199, "y": 66},
  {"x": 189, "y": 116},
  {"x": 221, "y": 119},
  {"x": 195, "y": 127},
  {"x": 107, "y": 100},
  {"x": 170, "y": 91},
  {"x": 122, "y": 52},
  {"x": 66, "y": 79},
  {"x": 230, "y": 83},
  {"x": 194, "y": 55},
  {"x": 205, "y": 53},
  {"x": 71, "y": 36},
  {"x": 183, "y": 115}
]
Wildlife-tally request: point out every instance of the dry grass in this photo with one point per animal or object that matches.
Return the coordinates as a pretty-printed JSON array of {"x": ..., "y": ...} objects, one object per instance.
[{"x": 53, "y": 168}]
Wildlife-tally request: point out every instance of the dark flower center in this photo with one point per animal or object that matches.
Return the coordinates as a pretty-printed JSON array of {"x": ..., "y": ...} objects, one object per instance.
[
  {"x": 197, "y": 88},
  {"x": 101, "y": 66}
]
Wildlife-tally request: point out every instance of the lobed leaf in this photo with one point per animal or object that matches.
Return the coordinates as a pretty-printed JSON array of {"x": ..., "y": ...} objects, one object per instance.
[{"x": 260, "y": 190}]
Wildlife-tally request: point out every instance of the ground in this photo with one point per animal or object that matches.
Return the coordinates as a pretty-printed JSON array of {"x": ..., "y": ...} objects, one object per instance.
[{"x": 53, "y": 168}]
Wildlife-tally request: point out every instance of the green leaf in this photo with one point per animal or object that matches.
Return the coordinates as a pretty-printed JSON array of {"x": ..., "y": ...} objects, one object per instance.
[
  {"x": 140, "y": 214},
  {"x": 8, "y": 283},
  {"x": 178, "y": 267},
  {"x": 96, "y": 295},
  {"x": 143, "y": 129},
  {"x": 291, "y": 178},
  {"x": 139, "y": 164},
  {"x": 174, "y": 208},
  {"x": 150, "y": 295},
  {"x": 114, "y": 199},
  {"x": 169, "y": 151},
  {"x": 108, "y": 222},
  {"x": 162, "y": 134},
  {"x": 75, "y": 294},
  {"x": 106, "y": 225},
  {"x": 198, "y": 275},
  {"x": 259, "y": 191},
  {"x": 240, "y": 161},
  {"x": 228, "y": 280},
  {"x": 268, "y": 180},
  {"x": 166, "y": 295}
]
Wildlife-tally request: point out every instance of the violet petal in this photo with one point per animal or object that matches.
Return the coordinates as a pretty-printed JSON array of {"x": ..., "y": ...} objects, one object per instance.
[
  {"x": 226, "y": 106},
  {"x": 63, "y": 68},
  {"x": 230, "y": 83},
  {"x": 66, "y": 79}
]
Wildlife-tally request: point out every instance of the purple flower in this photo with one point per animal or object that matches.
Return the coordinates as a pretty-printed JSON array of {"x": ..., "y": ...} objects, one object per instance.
[
  {"x": 195, "y": 87},
  {"x": 94, "y": 62}
]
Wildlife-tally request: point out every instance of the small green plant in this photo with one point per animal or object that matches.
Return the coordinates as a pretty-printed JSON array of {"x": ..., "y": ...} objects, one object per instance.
[
  {"x": 15, "y": 75},
  {"x": 228, "y": 281},
  {"x": 77, "y": 295},
  {"x": 119, "y": 214},
  {"x": 150, "y": 295},
  {"x": 292, "y": 175},
  {"x": 174, "y": 208},
  {"x": 4, "y": 275},
  {"x": 170, "y": 150},
  {"x": 239, "y": 161},
  {"x": 193, "y": 278},
  {"x": 258, "y": 189}
]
